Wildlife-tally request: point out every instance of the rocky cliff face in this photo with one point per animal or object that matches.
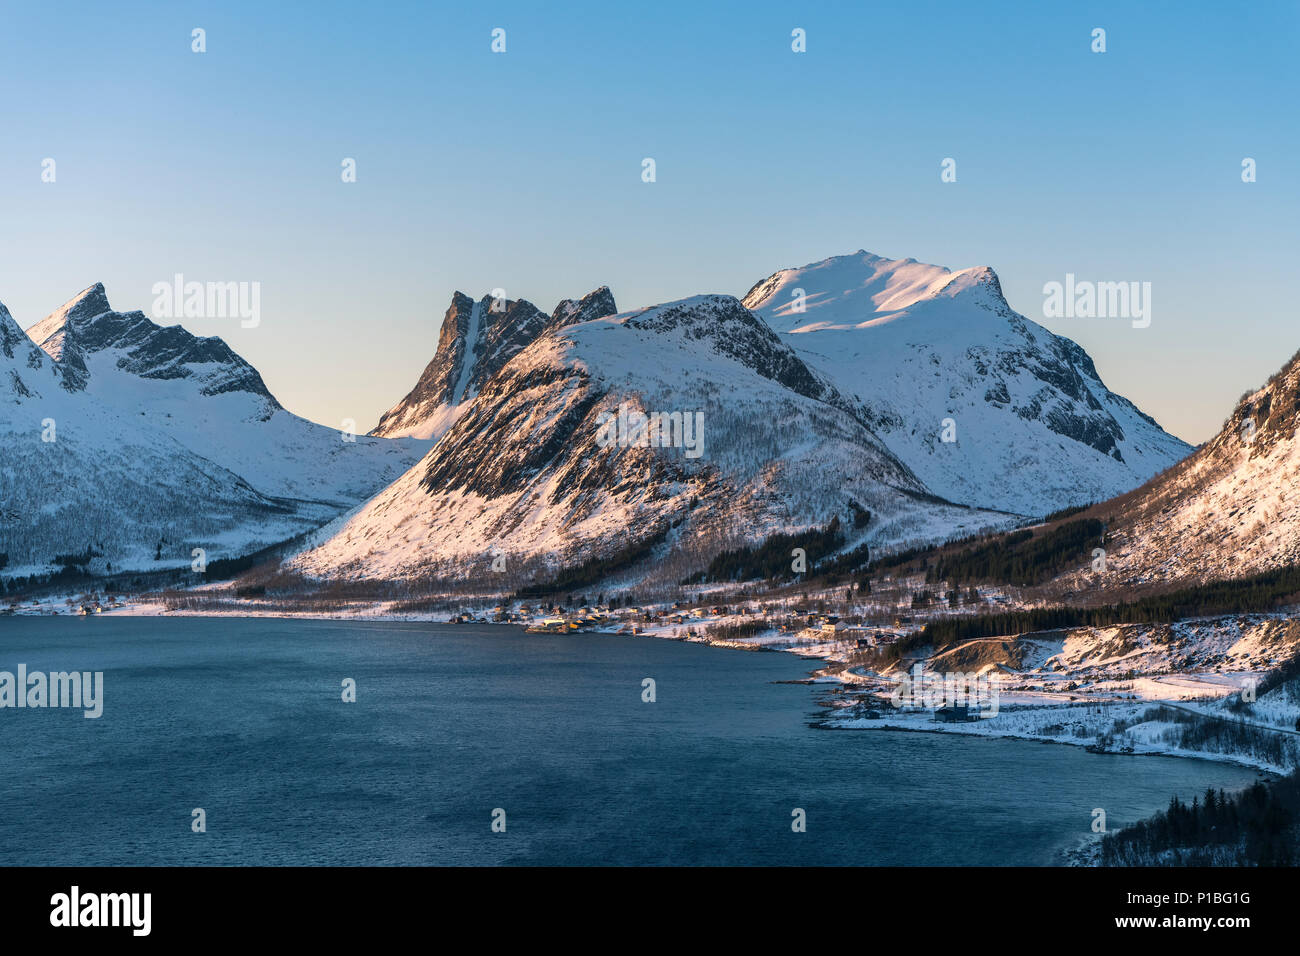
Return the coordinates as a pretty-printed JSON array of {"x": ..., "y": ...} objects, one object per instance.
[
  {"x": 86, "y": 325},
  {"x": 139, "y": 443},
  {"x": 534, "y": 469},
  {"x": 477, "y": 339}
]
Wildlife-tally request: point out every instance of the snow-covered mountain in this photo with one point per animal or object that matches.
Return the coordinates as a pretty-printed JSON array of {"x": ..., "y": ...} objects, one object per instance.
[
  {"x": 475, "y": 342},
  {"x": 79, "y": 478},
  {"x": 213, "y": 402},
  {"x": 529, "y": 469},
  {"x": 1232, "y": 508},
  {"x": 779, "y": 420},
  {"x": 929, "y": 353},
  {"x": 136, "y": 444}
]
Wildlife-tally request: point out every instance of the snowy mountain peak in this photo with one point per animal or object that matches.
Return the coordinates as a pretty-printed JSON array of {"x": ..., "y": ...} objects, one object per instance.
[
  {"x": 87, "y": 326},
  {"x": 596, "y": 304},
  {"x": 960, "y": 386},
  {"x": 729, "y": 329},
  {"x": 475, "y": 341},
  {"x": 24, "y": 368},
  {"x": 748, "y": 441},
  {"x": 979, "y": 281},
  {"x": 85, "y": 305},
  {"x": 140, "y": 443},
  {"x": 12, "y": 336},
  {"x": 860, "y": 288}
]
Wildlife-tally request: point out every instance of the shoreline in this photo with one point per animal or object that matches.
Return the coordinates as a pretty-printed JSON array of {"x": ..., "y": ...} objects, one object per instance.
[
  {"x": 832, "y": 671},
  {"x": 1231, "y": 759}
]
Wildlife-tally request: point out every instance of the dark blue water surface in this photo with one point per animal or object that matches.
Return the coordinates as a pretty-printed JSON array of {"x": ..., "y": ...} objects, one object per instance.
[{"x": 244, "y": 718}]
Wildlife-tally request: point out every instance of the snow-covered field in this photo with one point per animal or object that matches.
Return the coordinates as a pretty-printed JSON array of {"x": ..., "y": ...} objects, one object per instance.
[
  {"x": 1085, "y": 725},
  {"x": 1187, "y": 689}
]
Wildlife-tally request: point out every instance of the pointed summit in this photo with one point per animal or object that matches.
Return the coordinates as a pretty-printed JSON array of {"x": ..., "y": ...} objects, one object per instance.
[
  {"x": 86, "y": 325},
  {"x": 50, "y": 332},
  {"x": 596, "y": 304},
  {"x": 87, "y": 303},
  {"x": 475, "y": 342}
]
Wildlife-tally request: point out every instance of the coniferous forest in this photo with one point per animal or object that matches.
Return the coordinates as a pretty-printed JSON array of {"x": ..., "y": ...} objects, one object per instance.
[{"x": 1251, "y": 828}]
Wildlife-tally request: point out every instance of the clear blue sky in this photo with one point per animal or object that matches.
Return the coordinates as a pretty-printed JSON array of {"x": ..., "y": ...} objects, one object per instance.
[{"x": 522, "y": 170}]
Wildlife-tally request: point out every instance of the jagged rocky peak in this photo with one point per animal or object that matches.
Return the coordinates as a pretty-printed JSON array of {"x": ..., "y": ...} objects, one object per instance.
[
  {"x": 769, "y": 453},
  {"x": 476, "y": 339},
  {"x": 475, "y": 342},
  {"x": 86, "y": 325},
  {"x": 506, "y": 327},
  {"x": 50, "y": 332},
  {"x": 12, "y": 338},
  {"x": 597, "y": 304}
]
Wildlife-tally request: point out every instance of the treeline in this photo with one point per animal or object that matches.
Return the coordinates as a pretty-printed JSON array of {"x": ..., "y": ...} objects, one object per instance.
[
  {"x": 596, "y": 569},
  {"x": 920, "y": 557},
  {"x": 1255, "y": 827},
  {"x": 67, "y": 575},
  {"x": 77, "y": 560},
  {"x": 735, "y": 632},
  {"x": 1021, "y": 558},
  {"x": 1256, "y": 593},
  {"x": 1067, "y": 512},
  {"x": 72, "y": 572},
  {"x": 833, "y": 571},
  {"x": 1285, "y": 673},
  {"x": 1223, "y": 735},
  {"x": 772, "y": 559},
  {"x": 1015, "y": 557},
  {"x": 900, "y": 559}
]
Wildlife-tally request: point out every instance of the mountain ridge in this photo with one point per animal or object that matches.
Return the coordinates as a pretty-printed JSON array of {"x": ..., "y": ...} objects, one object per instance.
[
  {"x": 782, "y": 450},
  {"x": 476, "y": 339},
  {"x": 1231, "y": 508},
  {"x": 135, "y": 440},
  {"x": 961, "y": 386}
]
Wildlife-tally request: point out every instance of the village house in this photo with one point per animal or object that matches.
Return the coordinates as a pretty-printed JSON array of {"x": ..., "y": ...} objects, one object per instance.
[{"x": 955, "y": 713}]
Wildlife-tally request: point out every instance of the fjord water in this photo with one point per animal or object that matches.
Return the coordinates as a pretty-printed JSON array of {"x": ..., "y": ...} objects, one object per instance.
[{"x": 245, "y": 719}]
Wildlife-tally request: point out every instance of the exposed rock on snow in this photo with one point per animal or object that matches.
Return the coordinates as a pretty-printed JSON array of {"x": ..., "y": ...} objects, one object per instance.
[
  {"x": 136, "y": 443},
  {"x": 209, "y": 399},
  {"x": 1232, "y": 508},
  {"x": 1035, "y": 428},
  {"x": 782, "y": 451}
]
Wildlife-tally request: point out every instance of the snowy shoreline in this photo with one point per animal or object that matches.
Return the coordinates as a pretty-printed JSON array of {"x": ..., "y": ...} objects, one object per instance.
[
  {"x": 926, "y": 725},
  {"x": 1033, "y": 715}
]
